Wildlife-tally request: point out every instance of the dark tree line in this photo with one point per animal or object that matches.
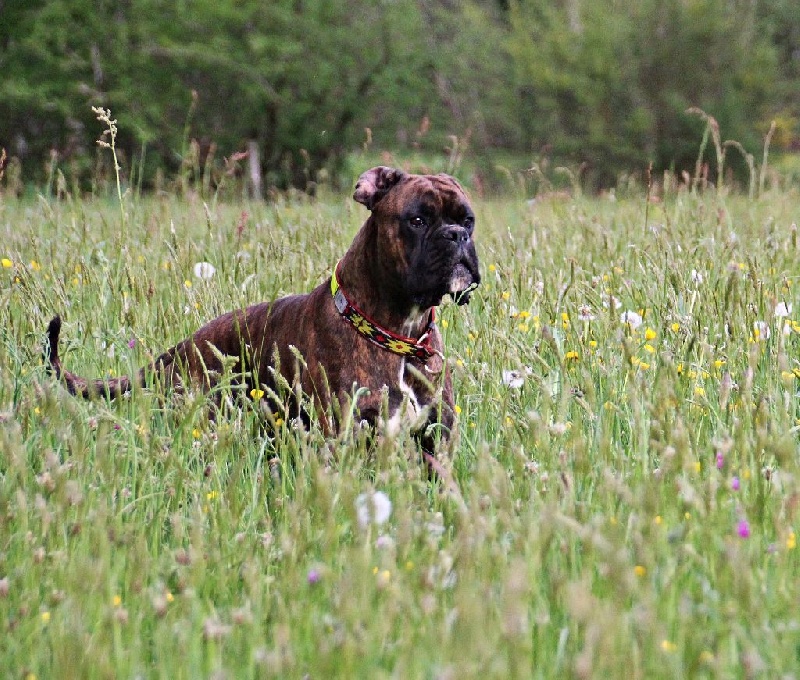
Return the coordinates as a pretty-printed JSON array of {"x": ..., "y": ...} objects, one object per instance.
[{"x": 601, "y": 85}]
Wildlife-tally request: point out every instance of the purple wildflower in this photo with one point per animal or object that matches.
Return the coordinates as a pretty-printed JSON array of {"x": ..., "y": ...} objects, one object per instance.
[
  {"x": 132, "y": 343},
  {"x": 313, "y": 576},
  {"x": 743, "y": 529},
  {"x": 720, "y": 461},
  {"x": 735, "y": 484}
]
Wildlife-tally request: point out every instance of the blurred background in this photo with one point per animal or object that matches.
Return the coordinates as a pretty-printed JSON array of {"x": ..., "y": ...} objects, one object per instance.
[{"x": 313, "y": 90}]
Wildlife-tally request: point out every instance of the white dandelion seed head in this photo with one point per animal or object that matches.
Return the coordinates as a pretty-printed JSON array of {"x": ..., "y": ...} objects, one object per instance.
[
  {"x": 633, "y": 319},
  {"x": 585, "y": 313},
  {"x": 513, "y": 379},
  {"x": 373, "y": 508},
  {"x": 783, "y": 310},
  {"x": 204, "y": 270}
]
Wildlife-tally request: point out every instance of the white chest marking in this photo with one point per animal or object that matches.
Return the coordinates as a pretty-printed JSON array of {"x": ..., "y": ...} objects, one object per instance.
[{"x": 409, "y": 413}]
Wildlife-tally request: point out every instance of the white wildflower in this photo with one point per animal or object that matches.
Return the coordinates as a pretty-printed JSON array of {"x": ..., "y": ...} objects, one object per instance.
[
  {"x": 204, "y": 270},
  {"x": 783, "y": 310},
  {"x": 513, "y": 379},
  {"x": 585, "y": 313},
  {"x": 697, "y": 277},
  {"x": 633, "y": 319},
  {"x": 375, "y": 508}
]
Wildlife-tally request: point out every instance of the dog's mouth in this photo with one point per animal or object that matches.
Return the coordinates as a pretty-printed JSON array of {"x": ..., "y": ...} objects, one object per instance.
[{"x": 462, "y": 283}]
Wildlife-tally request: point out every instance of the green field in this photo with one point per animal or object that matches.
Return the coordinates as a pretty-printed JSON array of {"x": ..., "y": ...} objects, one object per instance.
[{"x": 631, "y": 490}]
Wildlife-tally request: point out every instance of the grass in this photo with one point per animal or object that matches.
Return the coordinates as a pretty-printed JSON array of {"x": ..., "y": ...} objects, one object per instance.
[{"x": 631, "y": 495}]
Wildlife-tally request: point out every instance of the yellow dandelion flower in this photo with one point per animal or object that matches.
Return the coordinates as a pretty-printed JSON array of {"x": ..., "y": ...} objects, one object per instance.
[
  {"x": 639, "y": 570},
  {"x": 658, "y": 520},
  {"x": 593, "y": 344},
  {"x": 35, "y": 265},
  {"x": 706, "y": 657},
  {"x": 697, "y": 466},
  {"x": 445, "y": 323},
  {"x": 374, "y": 570},
  {"x": 505, "y": 295},
  {"x": 278, "y": 422},
  {"x": 169, "y": 596},
  {"x": 492, "y": 268},
  {"x": 523, "y": 327},
  {"x": 692, "y": 374},
  {"x": 409, "y": 565},
  {"x": 688, "y": 515},
  {"x": 675, "y": 327},
  {"x": 524, "y": 315},
  {"x": 791, "y": 541},
  {"x": 256, "y": 394},
  {"x": 699, "y": 391},
  {"x": 719, "y": 363},
  {"x": 668, "y": 646},
  {"x": 116, "y": 601},
  {"x": 7, "y": 264},
  {"x": 649, "y": 349},
  {"x": 457, "y": 409},
  {"x": 45, "y": 617},
  {"x": 509, "y": 421},
  {"x": 650, "y": 334},
  {"x": 211, "y": 495},
  {"x": 787, "y": 376},
  {"x": 571, "y": 356},
  {"x": 679, "y": 369},
  {"x": 196, "y": 433},
  {"x": 459, "y": 363},
  {"x": 187, "y": 284},
  {"x": 612, "y": 521}
]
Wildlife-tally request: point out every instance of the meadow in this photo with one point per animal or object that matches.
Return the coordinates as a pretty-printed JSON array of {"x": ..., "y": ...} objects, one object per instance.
[{"x": 627, "y": 384}]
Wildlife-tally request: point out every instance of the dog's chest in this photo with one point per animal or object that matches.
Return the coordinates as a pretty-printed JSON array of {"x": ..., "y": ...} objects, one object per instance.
[{"x": 412, "y": 403}]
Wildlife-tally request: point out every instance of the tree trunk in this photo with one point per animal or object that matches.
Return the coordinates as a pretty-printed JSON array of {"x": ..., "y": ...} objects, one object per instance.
[{"x": 254, "y": 168}]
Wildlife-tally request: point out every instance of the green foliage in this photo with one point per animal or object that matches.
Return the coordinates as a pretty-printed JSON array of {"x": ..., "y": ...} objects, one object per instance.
[{"x": 600, "y": 85}]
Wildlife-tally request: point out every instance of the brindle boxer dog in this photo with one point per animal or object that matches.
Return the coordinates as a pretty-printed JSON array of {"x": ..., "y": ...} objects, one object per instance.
[{"x": 371, "y": 325}]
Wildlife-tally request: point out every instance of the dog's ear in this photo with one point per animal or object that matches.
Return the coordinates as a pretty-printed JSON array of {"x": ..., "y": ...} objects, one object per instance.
[{"x": 374, "y": 184}]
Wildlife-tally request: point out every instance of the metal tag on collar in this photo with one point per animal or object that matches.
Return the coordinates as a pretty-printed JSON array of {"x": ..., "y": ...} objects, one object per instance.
[{"x": 340, "y": 301}]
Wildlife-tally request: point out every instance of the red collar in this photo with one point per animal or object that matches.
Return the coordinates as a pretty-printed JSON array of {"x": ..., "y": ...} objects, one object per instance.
[{"x": 397, "y": 344}]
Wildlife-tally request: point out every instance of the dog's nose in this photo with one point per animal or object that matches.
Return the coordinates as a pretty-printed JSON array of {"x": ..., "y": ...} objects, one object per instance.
[{"x": 456, "y": 233}]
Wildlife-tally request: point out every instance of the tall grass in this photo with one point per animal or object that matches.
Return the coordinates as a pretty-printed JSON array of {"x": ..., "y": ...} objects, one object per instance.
[{"x": 631, "y": 489}]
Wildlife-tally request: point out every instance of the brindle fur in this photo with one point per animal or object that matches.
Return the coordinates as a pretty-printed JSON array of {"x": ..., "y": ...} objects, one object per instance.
[{"x": 393, "y": 270}]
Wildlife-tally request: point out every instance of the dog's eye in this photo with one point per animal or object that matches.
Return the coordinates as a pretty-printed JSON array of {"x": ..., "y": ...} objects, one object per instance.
[
  {"x": 469, "y": 224},
  {"x": 418, "y": 222}
]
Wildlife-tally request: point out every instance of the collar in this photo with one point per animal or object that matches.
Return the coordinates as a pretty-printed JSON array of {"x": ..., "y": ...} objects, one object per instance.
[{"x": 397, "y": 344}]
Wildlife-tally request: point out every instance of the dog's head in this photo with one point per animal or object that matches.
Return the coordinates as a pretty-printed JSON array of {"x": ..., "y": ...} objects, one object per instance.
[{"x": 425, "y": 233}]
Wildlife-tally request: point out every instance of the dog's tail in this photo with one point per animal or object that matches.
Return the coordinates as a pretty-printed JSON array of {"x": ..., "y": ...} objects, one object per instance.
[{"x": 81, "y": 387}]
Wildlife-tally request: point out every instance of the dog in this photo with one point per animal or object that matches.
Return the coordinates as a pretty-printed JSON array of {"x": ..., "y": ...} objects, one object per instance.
[{"x": 368, "y": 330}]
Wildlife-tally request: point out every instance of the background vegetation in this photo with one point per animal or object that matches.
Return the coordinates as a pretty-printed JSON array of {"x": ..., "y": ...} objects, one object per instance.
[{"x": 602, "y": 86}]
